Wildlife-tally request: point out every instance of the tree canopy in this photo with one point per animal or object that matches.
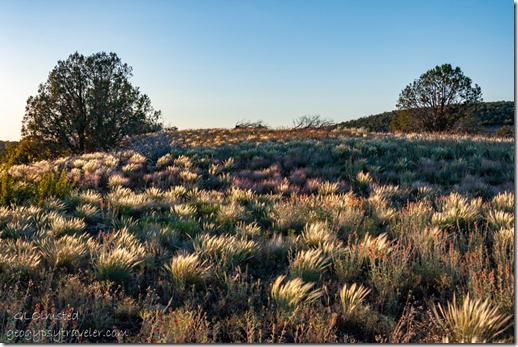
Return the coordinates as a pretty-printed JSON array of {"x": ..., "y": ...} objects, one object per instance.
[
  {"x": 87, "y": 104},
  {"x": 436, "y": 101}
]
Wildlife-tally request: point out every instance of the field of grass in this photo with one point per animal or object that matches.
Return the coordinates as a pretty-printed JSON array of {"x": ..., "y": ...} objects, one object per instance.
[{"x": 262, "y": 236}]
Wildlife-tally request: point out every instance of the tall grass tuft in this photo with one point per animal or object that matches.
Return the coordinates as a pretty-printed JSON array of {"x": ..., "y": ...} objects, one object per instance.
[
  {"x": 67, "y": 252},
  {"x": 119, "y": 254},
  {"x": 500, "y": 219},
  {"x": 293, "y": 293},
  {"x": 316, "y": 234},
  {"x": 90, "y": 213},
  {"x": 308, "y": 265},
  {"x": 188, "y": 269},
  {"x": 66, "y": 226},
  {"x": 472, "y": 322},
  {"x": 456, "y": 212},
  {"x": 225, "y": 249},
  {"x": 504, "y": 202},
  {"x": 351, "y": 297},
  {"x": 116, "y": 265},
  {"x": 19, "y": 257}
]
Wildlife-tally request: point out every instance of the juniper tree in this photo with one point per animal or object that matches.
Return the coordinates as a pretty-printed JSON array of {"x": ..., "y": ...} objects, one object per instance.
[{"x": 87, "y": 104}]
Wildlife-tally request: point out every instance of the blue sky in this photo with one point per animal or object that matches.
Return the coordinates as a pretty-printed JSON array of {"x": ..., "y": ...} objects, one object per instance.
[{"x": 211, "y": 63}]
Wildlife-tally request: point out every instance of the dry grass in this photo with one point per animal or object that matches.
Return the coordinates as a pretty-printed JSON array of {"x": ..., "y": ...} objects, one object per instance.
[{"x": 473, "y": 321}]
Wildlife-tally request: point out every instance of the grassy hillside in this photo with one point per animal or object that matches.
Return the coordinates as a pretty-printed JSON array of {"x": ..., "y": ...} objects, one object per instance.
[
  {"x": 263, "y": 236},
  {"x": 492, "y": 116}
]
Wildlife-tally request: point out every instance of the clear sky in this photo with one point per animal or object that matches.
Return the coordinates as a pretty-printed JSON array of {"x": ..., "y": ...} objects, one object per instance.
[{"x": 211, "y": 63}]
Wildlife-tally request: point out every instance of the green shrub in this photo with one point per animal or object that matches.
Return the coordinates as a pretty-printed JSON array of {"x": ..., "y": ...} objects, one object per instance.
[
  {"x": 6, "y": 189},
  {"x": 53, "y": 185}
]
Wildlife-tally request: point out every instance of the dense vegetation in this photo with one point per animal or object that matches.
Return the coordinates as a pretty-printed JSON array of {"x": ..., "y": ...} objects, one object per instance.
[
  {"x": 264, "y": 236},
  {"x": 5, "y": 144},
  {"x": 491, "y": 116}
]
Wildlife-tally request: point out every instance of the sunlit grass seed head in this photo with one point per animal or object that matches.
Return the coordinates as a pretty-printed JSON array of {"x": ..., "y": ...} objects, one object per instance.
[
  {"x": 208, "y": 197},
  {"x": 214, "y": 169},
  {"x": 17, "y": 229},
  {"x": 19, "y": 171},
  {"x": 293, "y": 293},
  {"x": 188, "y": 177},
  {"x": 240, "y": 196},
  {"x": 54, "y": 204},
  {"x": 210, "y": 246},
  {"x": 90, "y": 197},
  {"x": 505, "y": 235},
  {"x": 313, "y": 184},
  {"x": 363, "y": 179},
  {"x": 183, "y": 210},
  {"x": 225, "y": 248},
  {"x": 175, "y": 193},
  {"x": 427, "y": 239},
  {"x": 240, "y": 251},
  {"x": 68, "y": 251},
  {"x": 5, "y": 212},
  {"x": 412, "y": 218},
  {"x": 154, "y": 193},
  {"x": 231, "y": 212},
  {"x": 19, "y": 256},
  {"x": 229, "y": 164},
  {"x": 118, "y": 180},
  {"x": 61, "y": 226},
  {"x": 308, "y": 265},
  {"x": 137, "y": 158},
  {"x": 123, "y": 238},
  {"x": 88, "y": 212},
  {"x": 23, "y": 213},
  {"x": 473, "y": 321},
  {"x": 109, "y": 160},
  {"x": 78, "y": 163},
  {"x": 381, "y": 209},
  {"x": 374, "y": 247},
  {"x": 116, "y": 264},
  {"x": 333, "y": 250},
  {"x": 352, "y": 296},
  {"x": 504, "y": 202},
  {"x": 183, "y": 162},
  {"x": 328, "y": 188},
  {"x": 503, "y": 246},
  {"x": 277, "y": 246},
  {"x": 424, "y": 191},
  {"x": 127, "y": 201},
  {"x": 91, "y": 166},
  {"x": 386, "y": 191},
  {"x": 247, "y": 231},
  {"x": 93, "y": 156},
  {"x": 188, "y": 269},
  {"x": 164, "y": 160},
  {"x": 498, "y": 219},
  {"x": 456, "y": 211},
  {"x": 315, "y": 234},
  {"x": 131, "y": 167}
]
